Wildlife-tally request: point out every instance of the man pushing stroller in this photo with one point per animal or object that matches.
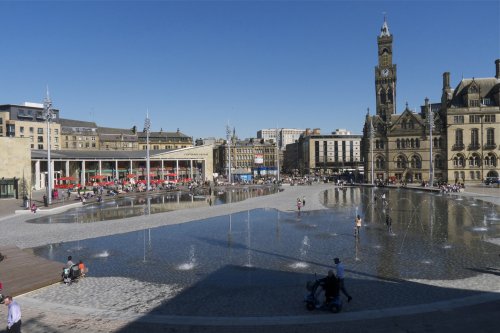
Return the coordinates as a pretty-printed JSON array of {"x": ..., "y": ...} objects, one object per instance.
[{"x": 331, "y": 287}]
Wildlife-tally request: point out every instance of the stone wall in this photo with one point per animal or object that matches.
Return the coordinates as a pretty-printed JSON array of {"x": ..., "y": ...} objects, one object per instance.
[{"x": 16, "y": 159}]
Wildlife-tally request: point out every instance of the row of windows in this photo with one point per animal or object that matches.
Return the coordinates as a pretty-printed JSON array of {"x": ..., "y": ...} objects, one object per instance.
[
  {"x": 474, "y": 103},
  {"x": 414, "y": 163},
  {"x": 474, "y": 137},
  {"x": 407, "y": 143},
  {"x": 416, "y": 176},
  {"x": 80, "y": 145},
  {"x": 158, "y": 147},
  {"x": 40, "y": 146},
  {"x": 40, "y": 138},
  {"x": 79, "y": 138},
  {"x": 39, "y": 130},
  {"x": 474, "y": 161},
  {"x": 475, "y": 119},
  {"x": 458, "y": 161}
]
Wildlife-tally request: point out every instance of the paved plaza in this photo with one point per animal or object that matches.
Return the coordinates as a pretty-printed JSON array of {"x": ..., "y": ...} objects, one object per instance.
[{"x": 115, "y": 304}]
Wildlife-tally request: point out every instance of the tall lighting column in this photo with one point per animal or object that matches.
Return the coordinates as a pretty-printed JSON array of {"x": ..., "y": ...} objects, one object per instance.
[
  {"x": 431, "y": 127},
  {"x": 372, "y": 133},
  {"x": 147, "y": 127},
  {"x": 277, "y": 155},
  {"x": 48, "y": 114},
  {"x": 228, "y": 136}
]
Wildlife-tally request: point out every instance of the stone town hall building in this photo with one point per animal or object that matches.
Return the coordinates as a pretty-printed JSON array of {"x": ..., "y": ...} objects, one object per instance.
[{"x": 465, "y": 129}]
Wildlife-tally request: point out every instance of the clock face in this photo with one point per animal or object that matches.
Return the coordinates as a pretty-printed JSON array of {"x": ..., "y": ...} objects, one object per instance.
[{"x": 385, "y": 72}]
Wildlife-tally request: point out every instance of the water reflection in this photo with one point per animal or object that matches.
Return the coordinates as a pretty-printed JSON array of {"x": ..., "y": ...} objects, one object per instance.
[
  {"x": 143, "y": 204},
  {"x": 434, "y": 238}
]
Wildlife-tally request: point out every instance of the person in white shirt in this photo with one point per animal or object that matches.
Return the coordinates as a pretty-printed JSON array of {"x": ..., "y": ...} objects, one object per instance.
[
  {"x": 13, "y": 315},
  {"x": 340, "y": 276}
]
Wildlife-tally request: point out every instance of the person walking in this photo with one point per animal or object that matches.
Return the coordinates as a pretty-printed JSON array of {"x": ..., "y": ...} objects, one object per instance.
[
  {"x": 388, "y": 222},
  {"x": 299, "y": 204},
  {"x": 357, "y": 225},
  {"x": 340, "y": 275},
  {"x": 303, "y": 201},
  {"x": 13, "y": 315}
]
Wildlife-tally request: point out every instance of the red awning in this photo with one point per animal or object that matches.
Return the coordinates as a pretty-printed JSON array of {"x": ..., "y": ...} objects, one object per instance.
[{"x": 66, "y": 178}]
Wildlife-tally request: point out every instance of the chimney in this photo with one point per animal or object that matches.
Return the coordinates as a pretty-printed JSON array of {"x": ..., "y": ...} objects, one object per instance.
[
  {"x": 497, "y": 63},
  {"x": 446, "y": 80}
]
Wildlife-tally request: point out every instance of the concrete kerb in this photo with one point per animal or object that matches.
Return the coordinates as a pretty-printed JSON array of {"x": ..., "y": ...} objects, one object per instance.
[{"x": 49, "y": 210}]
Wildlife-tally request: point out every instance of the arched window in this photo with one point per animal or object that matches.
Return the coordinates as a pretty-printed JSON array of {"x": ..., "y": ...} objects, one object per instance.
[
  {"x": 412, "y": 143},
  {"x": 440, "y": 143},
  {"x": 415, "y": 162},
  {"x": 411, "y": 124},
  {"x": 403, "y": 124},
  {"x": 389, "y": 95},
  {"x": 435, "y": 143},
  {"x": 493, "y": 160},
  {"x": 379, "y": 163},
  {"x": 459, "y": 161},
  {"x": 490, "y": 160},
  {"x": 401, "y": 162},
  {"x": 398, "y": 143},
  {"x": 417, "y": 143},
  {"x": 474, "y": 160},
  {"x": 408, "y": 143}
]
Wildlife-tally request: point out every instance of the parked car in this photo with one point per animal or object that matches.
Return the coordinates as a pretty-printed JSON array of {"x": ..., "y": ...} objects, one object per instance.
[{"x": 491, "y": 180}]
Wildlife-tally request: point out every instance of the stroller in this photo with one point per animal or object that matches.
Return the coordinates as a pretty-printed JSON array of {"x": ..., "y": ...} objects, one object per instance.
[
  {"x": 333, "y": 303},
  {"x": 71, "y": 274}
]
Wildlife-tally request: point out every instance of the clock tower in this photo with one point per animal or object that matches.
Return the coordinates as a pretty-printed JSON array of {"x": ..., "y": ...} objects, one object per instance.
[{"x": 385, "y": 76}]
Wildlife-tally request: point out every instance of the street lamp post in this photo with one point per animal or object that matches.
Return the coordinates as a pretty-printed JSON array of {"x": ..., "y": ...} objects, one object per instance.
[
  {"x": 48, "y": 114},
  {"x": 372, "y": 130},
  {"x": 277, "y": 156},
  {"x": 228, "y": 136},
  {"x": 431, "y": 128},
  {"x": 147, "y": 127}
]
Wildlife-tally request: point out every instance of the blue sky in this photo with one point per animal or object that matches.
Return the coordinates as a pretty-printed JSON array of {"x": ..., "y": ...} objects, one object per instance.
[{"x": 197, "y": 65}]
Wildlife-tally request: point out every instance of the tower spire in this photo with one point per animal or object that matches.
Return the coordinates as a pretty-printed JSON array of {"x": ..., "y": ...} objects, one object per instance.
[{"x": 384, "y": 31}]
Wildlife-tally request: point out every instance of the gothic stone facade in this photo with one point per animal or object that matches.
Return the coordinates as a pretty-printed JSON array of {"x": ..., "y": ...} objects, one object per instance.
[
  {"x": 465, "y": 129},
  {"x": 472, "y": 112}
]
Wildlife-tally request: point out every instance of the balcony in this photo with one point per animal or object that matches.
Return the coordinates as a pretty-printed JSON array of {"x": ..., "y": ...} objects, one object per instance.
[
  {"x": 489, "y": 146},
  {"x": 458, "y": 146},
  {"x": 473, "y": 146}
]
